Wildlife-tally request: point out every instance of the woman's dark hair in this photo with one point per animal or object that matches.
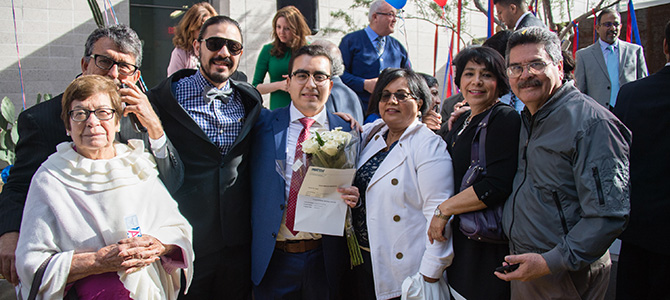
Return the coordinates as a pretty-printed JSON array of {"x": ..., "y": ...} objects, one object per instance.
[
  {"x": 416, "y": 84},
  {"x": 568, "y": 65},
  {"x": 298, "y": 26},
  {"x": 499, "y": 41},
  {"x": 430, "y": 80},
  {"x": 492, "y": 61}
]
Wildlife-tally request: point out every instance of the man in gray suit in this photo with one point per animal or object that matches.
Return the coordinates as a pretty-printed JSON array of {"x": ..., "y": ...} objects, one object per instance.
[
  {"x": 342, "y": 98},
  {"x": 610, "y": 63},
  {"x": 515, "y": 14}
]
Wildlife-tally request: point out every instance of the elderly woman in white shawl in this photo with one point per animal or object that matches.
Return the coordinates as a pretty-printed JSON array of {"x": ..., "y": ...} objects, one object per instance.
[{"x": 99, "y": 210}]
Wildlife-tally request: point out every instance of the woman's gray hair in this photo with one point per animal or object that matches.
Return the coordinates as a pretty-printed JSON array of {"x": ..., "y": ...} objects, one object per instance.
[
  {"x": 536, "y": 35},
  {"x": 374, "y": 7},
  {"x": 122, "y": 35}
]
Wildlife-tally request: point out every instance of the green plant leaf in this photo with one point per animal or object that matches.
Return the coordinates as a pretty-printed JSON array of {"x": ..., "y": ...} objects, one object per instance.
[
  {"x": 3, "y": 140},
  {"x": 7, "y": 156},
  {"x": 14, "y": 134},
  {"x": 7, "y": 110}
]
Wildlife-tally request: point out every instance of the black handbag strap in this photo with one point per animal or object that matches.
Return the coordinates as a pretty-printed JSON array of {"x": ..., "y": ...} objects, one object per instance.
[
  {"x": 478, "y": 147},
  {"x": 37, "y": 280}
]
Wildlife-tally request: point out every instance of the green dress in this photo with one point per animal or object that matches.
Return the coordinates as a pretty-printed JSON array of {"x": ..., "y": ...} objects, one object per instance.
[{"x": 276, "y": 67}]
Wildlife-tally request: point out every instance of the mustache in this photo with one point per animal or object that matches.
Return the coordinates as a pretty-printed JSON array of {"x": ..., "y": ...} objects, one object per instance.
[
  {"x": 224, "y": 60},
  {"x": 529, "y": 83}
]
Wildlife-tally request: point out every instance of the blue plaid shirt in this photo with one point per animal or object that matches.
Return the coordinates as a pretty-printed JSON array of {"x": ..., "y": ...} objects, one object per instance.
[{"x": 221, "y": 122}]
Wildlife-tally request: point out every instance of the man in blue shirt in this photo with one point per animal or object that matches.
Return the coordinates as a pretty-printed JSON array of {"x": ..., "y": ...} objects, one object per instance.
[
  {"x": 610, "y": 63},
  {"x": 369, "y": 51}
]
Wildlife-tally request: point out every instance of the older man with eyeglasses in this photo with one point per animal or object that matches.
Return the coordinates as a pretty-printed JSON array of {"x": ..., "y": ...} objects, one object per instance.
[
  {"x": 570, "y": 193},
  {"x": 115, "y": 52},
  {"x": 366, "y": 53}
]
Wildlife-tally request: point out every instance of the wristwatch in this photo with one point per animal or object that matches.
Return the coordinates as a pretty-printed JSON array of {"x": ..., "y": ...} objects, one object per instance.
[{"x": 440, "y": 215}]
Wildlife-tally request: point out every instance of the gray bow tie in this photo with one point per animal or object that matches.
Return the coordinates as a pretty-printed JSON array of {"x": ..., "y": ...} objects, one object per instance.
[{"x": 221, "y": 95}]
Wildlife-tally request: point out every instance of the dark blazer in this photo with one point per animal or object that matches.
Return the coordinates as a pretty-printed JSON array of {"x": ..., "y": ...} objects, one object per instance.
[
  {"x": 215, "y": 195},
  {"x": 644, "y": 106},
  {"x": 40, "y": 130},
  {"x": 269, "y": 197},
  {"x": 592, "y": 78},
  {"x": 344, "y": 99},
  {"x": 530, "y": 20}
]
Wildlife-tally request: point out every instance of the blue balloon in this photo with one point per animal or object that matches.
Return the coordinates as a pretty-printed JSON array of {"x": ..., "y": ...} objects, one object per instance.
[{"x": 397, "y": 4}]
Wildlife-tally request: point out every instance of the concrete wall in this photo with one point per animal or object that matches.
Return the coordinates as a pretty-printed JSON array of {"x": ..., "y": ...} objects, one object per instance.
[{"x": 51, "y": 36}]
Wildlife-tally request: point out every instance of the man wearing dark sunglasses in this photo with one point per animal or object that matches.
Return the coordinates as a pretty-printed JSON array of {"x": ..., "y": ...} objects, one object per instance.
[
  {"x": 609, "y": 63},
  {"x": 208, "y": 116},
  {"x": 115, "y": 52}
]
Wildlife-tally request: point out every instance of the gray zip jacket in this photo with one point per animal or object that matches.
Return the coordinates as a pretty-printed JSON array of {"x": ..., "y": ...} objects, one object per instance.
[{"x": 570, "y": 196}]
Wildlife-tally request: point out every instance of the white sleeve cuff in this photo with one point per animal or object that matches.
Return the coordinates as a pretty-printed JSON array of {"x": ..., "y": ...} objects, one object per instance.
[{"x": 159, "y": 146}]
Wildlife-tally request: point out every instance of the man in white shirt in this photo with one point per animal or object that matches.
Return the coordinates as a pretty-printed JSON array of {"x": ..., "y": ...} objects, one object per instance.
[
  {"x": 515, "y": 14},
  {"x": 286, "y": 263}
]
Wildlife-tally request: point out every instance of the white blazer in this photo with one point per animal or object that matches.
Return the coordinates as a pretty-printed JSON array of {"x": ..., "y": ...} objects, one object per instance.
[{"x": 415, "y": 177}]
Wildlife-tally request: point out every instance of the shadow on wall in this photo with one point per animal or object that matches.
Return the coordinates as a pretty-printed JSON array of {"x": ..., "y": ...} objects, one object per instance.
[{"x": 47, "y": 68}]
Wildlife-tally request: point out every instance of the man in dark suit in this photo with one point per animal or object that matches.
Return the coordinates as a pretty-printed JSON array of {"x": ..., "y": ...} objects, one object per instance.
[
  {"x": 609, "y": 63},
  {"x": 515, "y": 14},
  {"x": 287, "y": 264},
  {"x": 115, "y": 52},
  {"x": 209, "y": 117},
  {"x": 644, "y": 106}
]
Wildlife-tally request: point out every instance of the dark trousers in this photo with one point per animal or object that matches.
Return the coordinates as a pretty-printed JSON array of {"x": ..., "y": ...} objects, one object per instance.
[
  {"x": 224, "y": 274},
  {"x": 642, "y": 274},
  {"x": 294, "y": 276}
]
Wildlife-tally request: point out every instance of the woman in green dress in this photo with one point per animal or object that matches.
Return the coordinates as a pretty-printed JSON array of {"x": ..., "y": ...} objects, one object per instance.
[{"x": 288, "y": 34}]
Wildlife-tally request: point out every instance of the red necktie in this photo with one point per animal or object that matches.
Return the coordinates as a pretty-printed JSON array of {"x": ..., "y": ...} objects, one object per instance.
[{"x": 297, "y": 177}]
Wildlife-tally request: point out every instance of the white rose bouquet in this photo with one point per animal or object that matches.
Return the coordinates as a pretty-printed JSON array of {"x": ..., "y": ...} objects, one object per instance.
[{"x": 337, "y": 149}]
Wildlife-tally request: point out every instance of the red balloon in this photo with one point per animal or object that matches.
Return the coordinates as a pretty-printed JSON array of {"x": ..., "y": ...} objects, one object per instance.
[{"x": 441, "y": 3}]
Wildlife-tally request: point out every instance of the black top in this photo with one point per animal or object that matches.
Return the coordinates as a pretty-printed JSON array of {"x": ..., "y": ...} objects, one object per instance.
[
  {"x": 502, "y": 143},
  {"x": 361, "y": 181},
  {"x": 644, "y": 106}
]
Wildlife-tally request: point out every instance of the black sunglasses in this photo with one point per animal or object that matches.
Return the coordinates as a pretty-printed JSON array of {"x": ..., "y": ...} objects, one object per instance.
[{"x": 215, "y": 44}]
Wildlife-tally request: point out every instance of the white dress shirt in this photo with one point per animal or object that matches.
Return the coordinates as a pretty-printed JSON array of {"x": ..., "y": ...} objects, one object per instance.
[{"x": 294, "y": 129}]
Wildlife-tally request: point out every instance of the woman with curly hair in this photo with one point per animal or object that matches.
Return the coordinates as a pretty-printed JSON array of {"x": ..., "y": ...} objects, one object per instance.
[
  {"x": 185, "y": 33},
  {"x": 289, "y": 34}
]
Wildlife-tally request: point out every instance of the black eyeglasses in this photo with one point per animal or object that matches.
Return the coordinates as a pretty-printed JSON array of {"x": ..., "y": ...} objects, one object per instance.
[
  {"x": 215, "y": 44},
  {"x": 392, "y": 15},
  {"x": 82, "y": 114},
  {"x": 106, "y": 63},
  {"x": 535, "y": 68},
  {"x": 610, "y": 24},
  {"x": 401, "y": 97},
  {"x": 301, "y": 77}
]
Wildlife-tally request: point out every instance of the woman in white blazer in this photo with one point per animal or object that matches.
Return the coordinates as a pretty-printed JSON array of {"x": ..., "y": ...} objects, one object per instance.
[{"x": 405, "y": 171}]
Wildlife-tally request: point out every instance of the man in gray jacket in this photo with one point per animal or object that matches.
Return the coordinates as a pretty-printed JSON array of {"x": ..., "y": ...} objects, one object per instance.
[{"x": 570, "y": 196}]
